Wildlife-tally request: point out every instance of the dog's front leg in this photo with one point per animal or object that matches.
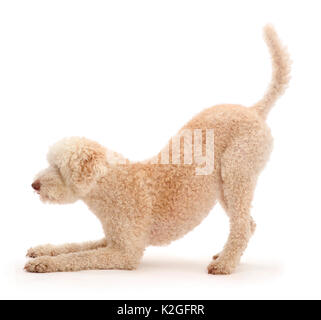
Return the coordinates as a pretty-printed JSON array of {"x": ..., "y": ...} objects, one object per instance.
[
  {"x": 52, "y": 250},
  {"x": 102, "y": 258},
  {"x": 126, "y": 243}
]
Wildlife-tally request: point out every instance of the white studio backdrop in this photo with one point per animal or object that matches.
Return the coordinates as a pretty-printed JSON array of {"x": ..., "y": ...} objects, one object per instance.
[{"x": 129, "y": 74}]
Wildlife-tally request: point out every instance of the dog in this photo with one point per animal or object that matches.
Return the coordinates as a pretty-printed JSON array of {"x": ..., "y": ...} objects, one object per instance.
[{"x": 151, "y": 203}]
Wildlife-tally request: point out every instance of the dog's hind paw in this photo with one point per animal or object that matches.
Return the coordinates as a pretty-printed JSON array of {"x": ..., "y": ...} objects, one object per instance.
[
  {"x": 215, "y": 257},
  {"x": 219, "y": 268},
  {"x": 40, "y": 265}
]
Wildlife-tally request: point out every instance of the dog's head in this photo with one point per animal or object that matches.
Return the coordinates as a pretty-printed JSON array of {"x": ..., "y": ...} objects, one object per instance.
[{"x": 75, "y": 164}]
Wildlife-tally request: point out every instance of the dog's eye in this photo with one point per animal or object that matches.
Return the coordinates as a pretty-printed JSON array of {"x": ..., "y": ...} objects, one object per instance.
[{"x": 57, "y": 170}]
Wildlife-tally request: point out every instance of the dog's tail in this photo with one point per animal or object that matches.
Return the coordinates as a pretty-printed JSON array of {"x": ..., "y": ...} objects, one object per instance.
[{"x": 281, "y": 72}]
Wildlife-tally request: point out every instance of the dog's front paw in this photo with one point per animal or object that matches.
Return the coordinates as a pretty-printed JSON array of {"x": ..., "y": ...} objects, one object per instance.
[
  {"x": 40, "y": 265},
  {"x": 45, "y": 250},
  {"x": 217, "y": 267}
]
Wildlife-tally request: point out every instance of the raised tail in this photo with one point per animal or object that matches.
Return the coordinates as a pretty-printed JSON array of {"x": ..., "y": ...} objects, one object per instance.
[{"x": 281, "y": 72}]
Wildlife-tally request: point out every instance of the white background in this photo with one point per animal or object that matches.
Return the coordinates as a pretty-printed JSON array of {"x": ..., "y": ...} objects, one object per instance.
[{"x": 129, "y": 74}]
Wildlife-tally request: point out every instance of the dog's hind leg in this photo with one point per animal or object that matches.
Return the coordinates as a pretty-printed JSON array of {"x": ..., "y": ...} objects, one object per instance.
[
  {"x": 239, "y": 202},
  {"x": 240, "y": 226},
  {"x": 253, "y": 227},
  {"x": 223, "y": 204},
  {"x": 240, "y": 166},
  {"x": 51, "y": 250}
]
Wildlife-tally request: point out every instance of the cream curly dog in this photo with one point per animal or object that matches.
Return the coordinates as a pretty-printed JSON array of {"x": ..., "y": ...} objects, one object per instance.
[{"x": 152, "y": 203}]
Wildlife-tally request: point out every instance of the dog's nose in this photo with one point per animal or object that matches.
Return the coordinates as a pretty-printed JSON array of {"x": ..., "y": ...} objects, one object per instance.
[{"x": 36, "y": 185}]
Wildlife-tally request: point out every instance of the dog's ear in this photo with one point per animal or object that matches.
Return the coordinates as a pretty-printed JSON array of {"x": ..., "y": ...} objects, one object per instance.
[{"x": 80, "y": 161}]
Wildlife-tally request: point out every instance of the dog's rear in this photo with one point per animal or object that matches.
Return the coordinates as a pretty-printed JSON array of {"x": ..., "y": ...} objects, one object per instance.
[
  {"x": 243, "y": 143},
  {"x": 245, "y": 155}
]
